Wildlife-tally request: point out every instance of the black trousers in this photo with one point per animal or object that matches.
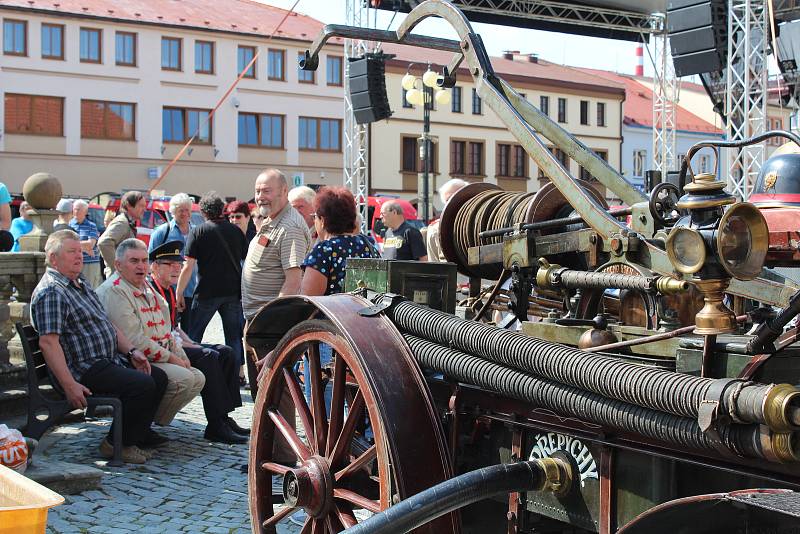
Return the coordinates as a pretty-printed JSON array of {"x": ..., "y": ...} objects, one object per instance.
[
  {"x": 185, "y": 317},
  {"x": 140, "y": 395},
  {"x": 221, "y": 393}
]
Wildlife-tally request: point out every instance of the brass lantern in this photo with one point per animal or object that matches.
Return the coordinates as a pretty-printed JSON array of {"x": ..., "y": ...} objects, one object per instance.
[{"x": 715, "y": 244}]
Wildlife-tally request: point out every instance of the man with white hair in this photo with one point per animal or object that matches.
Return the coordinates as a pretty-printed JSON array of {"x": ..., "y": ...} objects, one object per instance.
[
  {"x": 87, "y": 355},
  {"x": 87, "y": 231},
  {"x": 180, "y": 207},
  {"x": 446, "y": 191},
  {"x": 138, "y": 312},
  {"x": 302, "y": 199}
]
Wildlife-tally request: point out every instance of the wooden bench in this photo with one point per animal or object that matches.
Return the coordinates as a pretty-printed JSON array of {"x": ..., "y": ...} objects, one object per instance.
[{"x": 47, "y": 407}]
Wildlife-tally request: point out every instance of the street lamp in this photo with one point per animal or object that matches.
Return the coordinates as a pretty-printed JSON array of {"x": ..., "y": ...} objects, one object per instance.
[{"x": 421, "y": 93}]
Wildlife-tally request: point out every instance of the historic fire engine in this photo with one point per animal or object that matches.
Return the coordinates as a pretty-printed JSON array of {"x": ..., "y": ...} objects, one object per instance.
[{"x": 639, "y": 374}]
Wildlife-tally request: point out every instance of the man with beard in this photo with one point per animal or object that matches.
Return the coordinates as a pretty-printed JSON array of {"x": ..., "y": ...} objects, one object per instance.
[
  {"x": 273, "y": 268},
  {"x": 275, "y": 256},
  {"x": 217, "y": 362}
]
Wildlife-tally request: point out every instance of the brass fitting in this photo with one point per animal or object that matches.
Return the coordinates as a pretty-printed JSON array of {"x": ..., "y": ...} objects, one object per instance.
[
  {"x": 545, "y": 273},
  {"x": 666, "y": 285},
  {"x": 777, "y": 404},
  {"x": 558, "y": 476},
  {"x": 780, "y": 447},
  {"x": 715, "y": 317}
]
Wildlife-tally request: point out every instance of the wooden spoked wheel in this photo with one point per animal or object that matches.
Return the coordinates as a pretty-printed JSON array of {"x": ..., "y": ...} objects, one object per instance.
[{"x": 348, "y": 456}]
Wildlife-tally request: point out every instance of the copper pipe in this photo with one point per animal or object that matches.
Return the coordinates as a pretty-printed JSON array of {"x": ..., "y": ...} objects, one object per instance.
[{"x": 651, "y": 339}]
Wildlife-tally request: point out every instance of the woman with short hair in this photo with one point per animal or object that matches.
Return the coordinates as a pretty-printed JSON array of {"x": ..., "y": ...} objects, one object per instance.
[
  {"x": 239, "y": 215},
  {"x": 334, "y": 219}
]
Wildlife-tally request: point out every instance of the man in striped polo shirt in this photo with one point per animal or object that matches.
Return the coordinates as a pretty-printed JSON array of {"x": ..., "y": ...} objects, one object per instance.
[{"x": 88, "y": 233}]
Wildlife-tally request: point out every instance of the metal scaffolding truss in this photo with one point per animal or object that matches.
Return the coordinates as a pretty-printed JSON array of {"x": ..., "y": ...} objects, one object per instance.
[
  {"x": 746, "y": 96},
  {"x": 547, "y": 10},
  {"x": 665, "y": 99},
  {"x": 356, "y": 141}
]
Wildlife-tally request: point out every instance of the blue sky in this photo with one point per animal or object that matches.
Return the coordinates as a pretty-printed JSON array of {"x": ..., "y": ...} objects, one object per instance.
[{"x": 618, "y": 56}]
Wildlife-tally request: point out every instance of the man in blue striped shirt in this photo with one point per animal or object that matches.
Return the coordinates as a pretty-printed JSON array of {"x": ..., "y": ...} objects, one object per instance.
[{"x": 88, "y": 233}]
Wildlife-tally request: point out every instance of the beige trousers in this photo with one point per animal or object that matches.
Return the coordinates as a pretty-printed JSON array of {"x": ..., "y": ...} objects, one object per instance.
[
  {"x": 182, "y": 387},
  {"x": 93, "y": 274}
]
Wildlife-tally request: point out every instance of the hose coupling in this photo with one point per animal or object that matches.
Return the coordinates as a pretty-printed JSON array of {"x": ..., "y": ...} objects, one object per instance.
[
  {"x": 666, "y": 285},
  {"x": 780, "y": 407},
  {"x": 780, "y": 447},
  {"x": 558, "y": 474},
  {"x": 547, "y": 276}
]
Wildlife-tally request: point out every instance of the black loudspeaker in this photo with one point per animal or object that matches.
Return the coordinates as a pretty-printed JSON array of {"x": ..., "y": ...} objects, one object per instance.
[
  {"x": 368, "y": 88},
  {"x": 698, "y": 35}
]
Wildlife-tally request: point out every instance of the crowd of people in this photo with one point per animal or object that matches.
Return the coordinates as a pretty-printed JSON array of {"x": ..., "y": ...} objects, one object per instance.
[{"x": 135, "y": 331}]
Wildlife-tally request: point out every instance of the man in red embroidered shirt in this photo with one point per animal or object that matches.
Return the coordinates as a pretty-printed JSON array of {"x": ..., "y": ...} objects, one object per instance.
[{"x": 139, "y": 313}]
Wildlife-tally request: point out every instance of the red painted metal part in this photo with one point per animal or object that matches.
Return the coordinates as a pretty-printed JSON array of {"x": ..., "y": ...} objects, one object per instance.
[
  {"x": 607, "y": 507},
  {"x": 784, "y": 236},
  {"x": 409, "y": 452}
]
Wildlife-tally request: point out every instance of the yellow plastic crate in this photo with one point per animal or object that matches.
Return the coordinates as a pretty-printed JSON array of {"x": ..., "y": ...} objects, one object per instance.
[{"x": 24, "y": 503}]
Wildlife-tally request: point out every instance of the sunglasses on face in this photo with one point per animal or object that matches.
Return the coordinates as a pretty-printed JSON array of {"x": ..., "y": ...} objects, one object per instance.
[{"x": 236, "y": 216}]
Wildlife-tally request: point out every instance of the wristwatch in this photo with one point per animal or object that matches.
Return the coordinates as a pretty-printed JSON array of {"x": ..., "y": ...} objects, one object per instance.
[{"x": 130, "y": 353}]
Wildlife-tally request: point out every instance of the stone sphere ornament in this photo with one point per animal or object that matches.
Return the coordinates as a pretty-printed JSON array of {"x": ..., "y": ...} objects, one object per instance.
[{"x": 42, "y": 191}]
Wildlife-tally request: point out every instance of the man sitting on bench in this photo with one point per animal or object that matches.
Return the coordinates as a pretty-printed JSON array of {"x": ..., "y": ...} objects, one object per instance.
[{"x": 84, "y": 351}]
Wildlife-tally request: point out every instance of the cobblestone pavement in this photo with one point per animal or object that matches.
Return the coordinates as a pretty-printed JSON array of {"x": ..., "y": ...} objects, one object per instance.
[{"x": 190, "y": 485}]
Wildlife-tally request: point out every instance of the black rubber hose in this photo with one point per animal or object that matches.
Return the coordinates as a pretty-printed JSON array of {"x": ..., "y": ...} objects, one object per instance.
[
  {"x": 568, "y": 401},
  {"x": 768, "y": 331},
  {"x": 661, "y": 390},
  {"x": 453, "y": 494}
]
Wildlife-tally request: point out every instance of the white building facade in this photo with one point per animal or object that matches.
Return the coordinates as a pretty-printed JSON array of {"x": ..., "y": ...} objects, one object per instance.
[{"x": 105, "y": 103}]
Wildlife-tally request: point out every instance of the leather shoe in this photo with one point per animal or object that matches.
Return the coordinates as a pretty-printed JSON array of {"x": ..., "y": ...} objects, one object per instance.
[
  {"x": 152, "y": 440},
  {"x": 236, "y": 428},
  {"x": 223, "y": 434}
]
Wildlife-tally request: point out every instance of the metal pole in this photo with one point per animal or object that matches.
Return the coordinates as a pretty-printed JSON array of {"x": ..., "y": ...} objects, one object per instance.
[{"x": 426, "y": 151}]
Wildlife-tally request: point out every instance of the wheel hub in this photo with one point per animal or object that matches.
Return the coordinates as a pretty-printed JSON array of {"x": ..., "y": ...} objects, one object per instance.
[{"x": 309, "y": 486}]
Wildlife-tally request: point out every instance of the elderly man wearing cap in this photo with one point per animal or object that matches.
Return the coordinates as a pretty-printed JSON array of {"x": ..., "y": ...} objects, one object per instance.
[
  {"x": 64, "y": 209},
  {"x": 138, "y": 312},
  {"x": 217, "y": 362}
]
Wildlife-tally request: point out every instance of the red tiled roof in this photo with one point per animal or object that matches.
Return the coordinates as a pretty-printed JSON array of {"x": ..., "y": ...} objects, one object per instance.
[
  {"x": 542, "y": 72},
  {"x": 638, "y": 105},
  {"x": 237, "y": 16}
]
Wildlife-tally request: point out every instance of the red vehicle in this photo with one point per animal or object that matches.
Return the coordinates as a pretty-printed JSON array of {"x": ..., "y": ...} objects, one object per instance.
[
  {"x": 96, "y": 211},
  {"x": 157, "y": 213},
  {"x": 374, "y": 215}
]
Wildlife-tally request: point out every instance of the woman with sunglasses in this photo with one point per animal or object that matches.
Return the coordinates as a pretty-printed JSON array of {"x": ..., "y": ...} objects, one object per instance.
[{"x": 239, "y": 215}]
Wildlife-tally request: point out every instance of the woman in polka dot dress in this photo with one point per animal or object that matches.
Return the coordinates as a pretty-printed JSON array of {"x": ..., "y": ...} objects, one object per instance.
[{"x": 335, "y": 221}]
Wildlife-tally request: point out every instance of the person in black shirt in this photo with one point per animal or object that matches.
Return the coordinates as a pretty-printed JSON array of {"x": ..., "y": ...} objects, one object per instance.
[
  {"x": 218, "y": 248},
  {"x": 402, "y": 241}
]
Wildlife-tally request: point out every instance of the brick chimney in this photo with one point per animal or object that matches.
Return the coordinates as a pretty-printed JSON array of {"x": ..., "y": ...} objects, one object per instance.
[{"x": 509, "y": 54}]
